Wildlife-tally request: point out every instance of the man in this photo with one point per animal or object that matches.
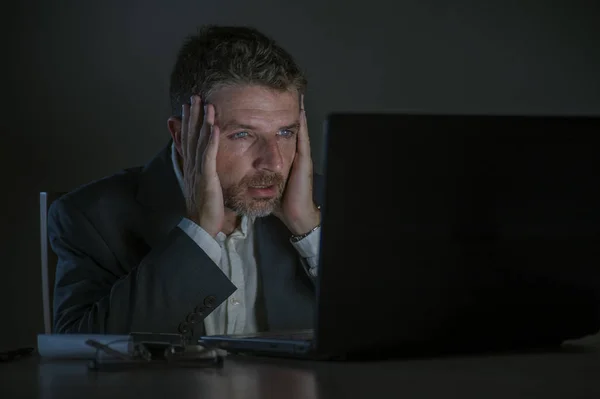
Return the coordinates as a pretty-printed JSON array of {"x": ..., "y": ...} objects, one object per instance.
[{"x": 220, "y": 232}]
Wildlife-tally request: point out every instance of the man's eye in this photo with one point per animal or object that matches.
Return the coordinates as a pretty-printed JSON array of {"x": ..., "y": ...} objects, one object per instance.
[
  {"x": 286, "y": 133},
  {"x": 239, "y": 135}
]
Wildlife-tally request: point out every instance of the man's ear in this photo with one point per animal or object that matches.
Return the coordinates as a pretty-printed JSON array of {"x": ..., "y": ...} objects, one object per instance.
[{"x": 174, "y": 125}]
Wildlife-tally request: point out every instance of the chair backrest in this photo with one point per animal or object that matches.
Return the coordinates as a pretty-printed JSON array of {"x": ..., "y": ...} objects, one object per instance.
[{"x": 49, "y": 259}]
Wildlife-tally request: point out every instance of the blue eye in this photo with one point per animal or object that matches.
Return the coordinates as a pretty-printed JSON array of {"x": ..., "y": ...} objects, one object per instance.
[
  {"x": 286, "y": 133},
  {"x": 239, "y": 135}
]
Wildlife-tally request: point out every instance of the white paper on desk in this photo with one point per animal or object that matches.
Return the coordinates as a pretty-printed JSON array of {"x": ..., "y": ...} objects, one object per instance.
[{"x": 73, "y": 346}]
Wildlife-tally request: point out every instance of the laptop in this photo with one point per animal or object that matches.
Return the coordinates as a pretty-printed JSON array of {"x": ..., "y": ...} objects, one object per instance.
[{"x": 451, "y": 234}]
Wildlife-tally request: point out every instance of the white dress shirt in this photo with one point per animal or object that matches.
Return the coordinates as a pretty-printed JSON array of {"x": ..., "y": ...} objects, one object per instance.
[{"x": 234, "y": 254}]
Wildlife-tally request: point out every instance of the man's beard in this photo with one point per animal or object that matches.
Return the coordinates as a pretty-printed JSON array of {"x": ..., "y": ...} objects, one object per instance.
[{"x": 236, "y": 197}]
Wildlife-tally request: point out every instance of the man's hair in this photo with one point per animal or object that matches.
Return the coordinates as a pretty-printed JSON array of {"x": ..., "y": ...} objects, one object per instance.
[{"x": 218, "y": 56}]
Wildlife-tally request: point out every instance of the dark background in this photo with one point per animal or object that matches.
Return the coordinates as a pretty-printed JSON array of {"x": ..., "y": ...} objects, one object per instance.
[{"x": 85, "y": 85}]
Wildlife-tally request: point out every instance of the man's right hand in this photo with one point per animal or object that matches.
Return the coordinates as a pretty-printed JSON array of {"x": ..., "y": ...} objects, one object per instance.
[{"x": 201, "y": 186}]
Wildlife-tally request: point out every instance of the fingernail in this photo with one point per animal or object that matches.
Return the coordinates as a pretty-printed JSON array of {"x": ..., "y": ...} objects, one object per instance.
[
  {"x": 205, "y": 108},
  {"x": 191, "y": 99}
]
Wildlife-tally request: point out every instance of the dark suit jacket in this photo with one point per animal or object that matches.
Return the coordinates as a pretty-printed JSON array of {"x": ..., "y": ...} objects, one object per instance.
[{"x": 125, "y": 266}]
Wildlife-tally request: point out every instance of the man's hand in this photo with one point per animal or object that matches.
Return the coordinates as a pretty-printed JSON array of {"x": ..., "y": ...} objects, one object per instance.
[
  {"x": 298, "y": 211},
  {"x": 201, "y": 185}
]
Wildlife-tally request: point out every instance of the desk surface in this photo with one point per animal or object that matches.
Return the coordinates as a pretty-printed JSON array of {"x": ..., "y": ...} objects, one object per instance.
[{"x": 573, "y": 372}]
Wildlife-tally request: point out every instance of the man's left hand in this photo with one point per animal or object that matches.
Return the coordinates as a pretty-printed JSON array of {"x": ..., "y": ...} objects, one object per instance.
[{"x": 297, "y": 210}]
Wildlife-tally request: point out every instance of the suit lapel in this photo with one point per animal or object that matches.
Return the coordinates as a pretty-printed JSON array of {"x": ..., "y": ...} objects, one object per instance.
[
  {"x": 161, "y": 198},
  {"x": 287, "y": 295}
]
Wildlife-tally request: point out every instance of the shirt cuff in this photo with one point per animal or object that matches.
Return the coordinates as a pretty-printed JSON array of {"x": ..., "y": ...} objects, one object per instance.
[
  {"x": 205, "y": 241},
  {"x": 308, "y": 248}
]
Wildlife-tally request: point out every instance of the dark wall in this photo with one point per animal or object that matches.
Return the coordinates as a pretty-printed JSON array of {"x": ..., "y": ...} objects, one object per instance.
[{"x": 85, "y": 85}]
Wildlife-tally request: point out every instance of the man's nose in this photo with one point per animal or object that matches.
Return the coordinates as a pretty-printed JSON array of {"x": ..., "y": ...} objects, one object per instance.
[{"x": 270, "y": 157}]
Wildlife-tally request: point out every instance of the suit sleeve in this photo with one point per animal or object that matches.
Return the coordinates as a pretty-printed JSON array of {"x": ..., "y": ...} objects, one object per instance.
[{"x": 173, "y": 289}]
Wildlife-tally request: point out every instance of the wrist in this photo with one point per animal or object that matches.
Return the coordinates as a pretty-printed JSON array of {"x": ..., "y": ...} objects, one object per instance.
[
  {"x": 298, "y": 238},
  {"x": 304, "y": 226},
  {"x": 212, "y": 232},
  {"x": 206, "y": 226}
]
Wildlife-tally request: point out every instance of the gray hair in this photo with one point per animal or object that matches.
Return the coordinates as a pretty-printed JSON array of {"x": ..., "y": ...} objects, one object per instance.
[{"x": 219, "y": 56}]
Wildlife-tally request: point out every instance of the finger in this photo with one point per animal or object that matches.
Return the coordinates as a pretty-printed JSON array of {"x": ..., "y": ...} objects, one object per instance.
[
  {"x": 208, "y": 120},
  {"x": 207, "y": 123},
  {"x": 209, "y": 166},
  {"x": 302, "y": 102},
  {"x": 185, "y": 117},
  {"x": 194, "y": 124},
  {"x": 303, "y": 143},
  {"x": 209, "y": 114}
]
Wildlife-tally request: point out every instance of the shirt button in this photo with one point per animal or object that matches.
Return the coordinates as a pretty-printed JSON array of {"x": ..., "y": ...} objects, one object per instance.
[{"x": 234, "y": 301}]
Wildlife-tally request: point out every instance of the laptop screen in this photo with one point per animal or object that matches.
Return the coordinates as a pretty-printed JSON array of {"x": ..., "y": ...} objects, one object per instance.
[{"x": 436, "y": 214}]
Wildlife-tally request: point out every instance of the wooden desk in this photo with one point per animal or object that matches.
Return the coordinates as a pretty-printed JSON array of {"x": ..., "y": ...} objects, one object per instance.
[{"x": 573, "y": 372}]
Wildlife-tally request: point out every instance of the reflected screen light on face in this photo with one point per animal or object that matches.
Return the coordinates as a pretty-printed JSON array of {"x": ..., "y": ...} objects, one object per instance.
[{"x": 257, "y": 144}]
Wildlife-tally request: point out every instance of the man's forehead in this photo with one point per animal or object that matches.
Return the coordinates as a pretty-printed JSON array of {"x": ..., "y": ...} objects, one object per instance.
[
  {"x": 255, "y": 111},
  {"x": 255, "y": 107},
  {"x": 254, "y": 98}
]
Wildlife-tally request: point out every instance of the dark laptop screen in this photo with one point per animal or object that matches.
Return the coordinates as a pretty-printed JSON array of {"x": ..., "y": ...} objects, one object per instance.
[{"x": 461, "y": 217}]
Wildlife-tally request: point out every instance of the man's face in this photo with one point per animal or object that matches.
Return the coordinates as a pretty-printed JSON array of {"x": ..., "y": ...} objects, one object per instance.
[{"x": 258, "y": 130}]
